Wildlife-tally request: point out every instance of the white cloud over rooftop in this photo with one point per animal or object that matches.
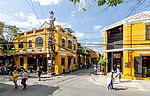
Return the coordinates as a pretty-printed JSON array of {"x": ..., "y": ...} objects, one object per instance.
[{"x": 48, "y": 2}]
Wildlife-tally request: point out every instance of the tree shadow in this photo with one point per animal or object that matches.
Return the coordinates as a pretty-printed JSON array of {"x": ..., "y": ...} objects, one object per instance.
[{"x": 32, "y": 90}]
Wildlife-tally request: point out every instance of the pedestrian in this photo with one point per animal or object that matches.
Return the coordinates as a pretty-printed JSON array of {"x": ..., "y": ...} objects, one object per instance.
[
  {"x": 70, "y": 68},
  {"x": 15, "y": 78},
  {"x": 24, "y": 78},
  {"x": 95, "y": 70},
  {"x": 39, "y": 71},
  {"x": 110, "y": 80},
  {"x": 118, "y": 74}
]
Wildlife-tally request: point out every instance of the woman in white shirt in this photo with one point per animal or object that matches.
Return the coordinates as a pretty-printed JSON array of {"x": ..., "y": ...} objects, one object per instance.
[{"x": 24, "y": 78}]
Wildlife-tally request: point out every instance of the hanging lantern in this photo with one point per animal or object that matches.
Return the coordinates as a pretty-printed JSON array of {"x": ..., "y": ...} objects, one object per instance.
[
  {"x": 108, "y": 33},
  {"x": 144, "y": 58},
  {"x": 120, "y": 28},
  {"x": 41, "y": 55}
]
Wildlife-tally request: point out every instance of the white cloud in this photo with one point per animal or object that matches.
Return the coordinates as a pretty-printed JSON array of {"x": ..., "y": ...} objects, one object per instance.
[
  {"x": 63, "y": 24},
  {"x": 97, "y": 27},
  {"x": 48, "y": 2},
  {"x": 31, "y": 21},
  {"x": 1, "y": 3},
  {"x": 88, "y": 19},
  {"x": 79, "y": 34}
]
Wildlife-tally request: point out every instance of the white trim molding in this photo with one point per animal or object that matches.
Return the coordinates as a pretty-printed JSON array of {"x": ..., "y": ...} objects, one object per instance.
[
  {"x": 141, "y": 17},
  {"x": 126, "y": 49}
]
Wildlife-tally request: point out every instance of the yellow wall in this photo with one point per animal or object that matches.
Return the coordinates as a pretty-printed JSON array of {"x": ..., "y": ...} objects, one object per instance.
[
  {"x": 134, "y": 36},
  {"x": 59, "y": 33}
]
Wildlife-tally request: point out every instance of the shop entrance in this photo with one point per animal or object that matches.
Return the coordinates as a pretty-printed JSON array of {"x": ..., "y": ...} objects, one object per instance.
[
  {"x": 142, "y": 66},
  {"x": 146, "y": 66},
  {"x": 115, "y": 60}
]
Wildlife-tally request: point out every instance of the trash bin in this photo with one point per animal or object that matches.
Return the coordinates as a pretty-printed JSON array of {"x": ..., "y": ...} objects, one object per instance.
[{"x": 144, "y": 71}]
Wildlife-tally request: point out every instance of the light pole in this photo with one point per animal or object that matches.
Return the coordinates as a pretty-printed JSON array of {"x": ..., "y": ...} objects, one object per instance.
[{"x": 51, "y": 42}]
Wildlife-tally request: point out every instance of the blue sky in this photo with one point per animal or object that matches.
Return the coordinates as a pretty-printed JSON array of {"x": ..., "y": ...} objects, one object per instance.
[{"x": 87, "y": 25}]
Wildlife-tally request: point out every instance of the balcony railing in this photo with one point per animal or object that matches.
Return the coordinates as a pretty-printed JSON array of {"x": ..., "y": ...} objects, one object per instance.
[{"x": 115, "y": 45}]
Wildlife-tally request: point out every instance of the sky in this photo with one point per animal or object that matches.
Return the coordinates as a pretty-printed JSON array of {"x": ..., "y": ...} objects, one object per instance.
[{"x": 88, "y": 25}]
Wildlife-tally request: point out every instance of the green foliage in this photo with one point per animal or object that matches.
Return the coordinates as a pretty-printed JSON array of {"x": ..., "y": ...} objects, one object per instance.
[
  {"x": 83, "y": 8},
  {"x": 114, "y": 2},
  {"x": 82, "y": 52},
  {"x": 102, "y": 61},
  {"x": 101, "y": 2},
  {"x": 111, "y": 3},
  {"x": 24, "y": 49},
  {"x": 1, "y": 48},
  {"x": 9, "y": 33},
  {"x": 33, "y": 50},
  {"x": 13, "y": 49}
]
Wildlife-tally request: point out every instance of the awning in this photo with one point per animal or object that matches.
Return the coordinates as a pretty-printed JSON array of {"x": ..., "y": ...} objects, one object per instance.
[{"x": 144, "y": 53}]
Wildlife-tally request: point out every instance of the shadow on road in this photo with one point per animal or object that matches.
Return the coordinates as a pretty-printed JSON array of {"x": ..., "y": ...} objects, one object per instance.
[
  {"x": 117, "y": 89},
  {"x": 32, "y": 90}
]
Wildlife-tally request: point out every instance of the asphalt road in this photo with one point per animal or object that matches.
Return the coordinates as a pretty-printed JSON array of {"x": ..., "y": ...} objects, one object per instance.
[{"x": 75, "y": 84}]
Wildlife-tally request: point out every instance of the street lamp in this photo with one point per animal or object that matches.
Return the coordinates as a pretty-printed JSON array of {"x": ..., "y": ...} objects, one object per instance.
[{"x": 51, "y": 42}]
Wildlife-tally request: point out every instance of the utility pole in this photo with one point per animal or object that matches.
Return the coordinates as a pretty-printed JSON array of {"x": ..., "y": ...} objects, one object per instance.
[{"x": 51, "y": 43}]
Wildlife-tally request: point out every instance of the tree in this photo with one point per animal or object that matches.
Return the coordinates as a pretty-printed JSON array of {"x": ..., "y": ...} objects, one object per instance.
[
  {"x": 111, "y": 3},
  {"x": 133, "y": 6},
  {"x": 7, "y": 34},
  {"x": 102, "y": 62}
]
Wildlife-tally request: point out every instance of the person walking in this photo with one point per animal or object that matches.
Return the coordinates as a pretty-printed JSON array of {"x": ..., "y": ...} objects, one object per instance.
[
  {"x": 24, "y": 78},
  {"x": 118, "y": 74},
  {"x": 39, "y": 71},
  {"x": 15, "y": 78},
  {"x": 110, "y": 80},
  {"x": 70, "y": 68}
]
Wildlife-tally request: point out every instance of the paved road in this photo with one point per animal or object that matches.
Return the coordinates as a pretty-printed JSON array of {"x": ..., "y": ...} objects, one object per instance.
[{"x": 75, "y": 84}]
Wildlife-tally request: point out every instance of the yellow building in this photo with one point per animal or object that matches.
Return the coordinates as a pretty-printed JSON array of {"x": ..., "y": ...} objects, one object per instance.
[
  {"x": 33, "y": 49},
  {"x": 127, "y": 46},
  {"x": 86, "y": 56}
]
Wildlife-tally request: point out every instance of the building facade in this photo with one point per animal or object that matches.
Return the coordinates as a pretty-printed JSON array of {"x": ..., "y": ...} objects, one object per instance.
[
  {"x": 127, "y": 46},
  {"x": 33, "y": 49}
]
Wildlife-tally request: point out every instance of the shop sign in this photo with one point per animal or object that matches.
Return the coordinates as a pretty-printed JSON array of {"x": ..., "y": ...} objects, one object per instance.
[{"x": 117, "y": 56}]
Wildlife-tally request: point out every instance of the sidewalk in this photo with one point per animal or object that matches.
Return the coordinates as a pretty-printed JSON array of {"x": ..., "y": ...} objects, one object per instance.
[{"x": 127, "y": 84}]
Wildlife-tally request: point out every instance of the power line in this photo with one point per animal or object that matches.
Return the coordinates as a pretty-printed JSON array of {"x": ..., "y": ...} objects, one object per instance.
[
  {"x": 41, "y": 9},
  {"x": 12, "y": 14},
  {"x": 32, "y": 7}
]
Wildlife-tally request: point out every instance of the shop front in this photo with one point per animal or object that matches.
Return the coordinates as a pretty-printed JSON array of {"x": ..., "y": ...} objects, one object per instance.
[
  {"x": 115, "y": 60},
  {"x": 142, "y": 66}
]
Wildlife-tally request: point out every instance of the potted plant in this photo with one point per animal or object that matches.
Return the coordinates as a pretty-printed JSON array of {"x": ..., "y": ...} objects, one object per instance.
[
  {"x": 40, "y": 50},
  {"x": 102, "y": 62},
  {"x": 24, "y": 49},
  {"x": 32, "y": 50},
  {"x": 1, "y": 48}
]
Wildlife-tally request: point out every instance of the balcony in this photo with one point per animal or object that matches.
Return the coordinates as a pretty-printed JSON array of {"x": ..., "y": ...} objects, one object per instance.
[{"x": 115, "y": 45}]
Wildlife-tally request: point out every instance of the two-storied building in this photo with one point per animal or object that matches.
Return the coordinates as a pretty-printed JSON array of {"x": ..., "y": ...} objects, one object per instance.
[
  {"x": 33, "y": 49},
  {"x": 127, "y": 46}
]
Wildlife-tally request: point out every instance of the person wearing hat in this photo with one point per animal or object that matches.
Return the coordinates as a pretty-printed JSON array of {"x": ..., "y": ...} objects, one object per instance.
[{"x": 110, "y": 80}]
